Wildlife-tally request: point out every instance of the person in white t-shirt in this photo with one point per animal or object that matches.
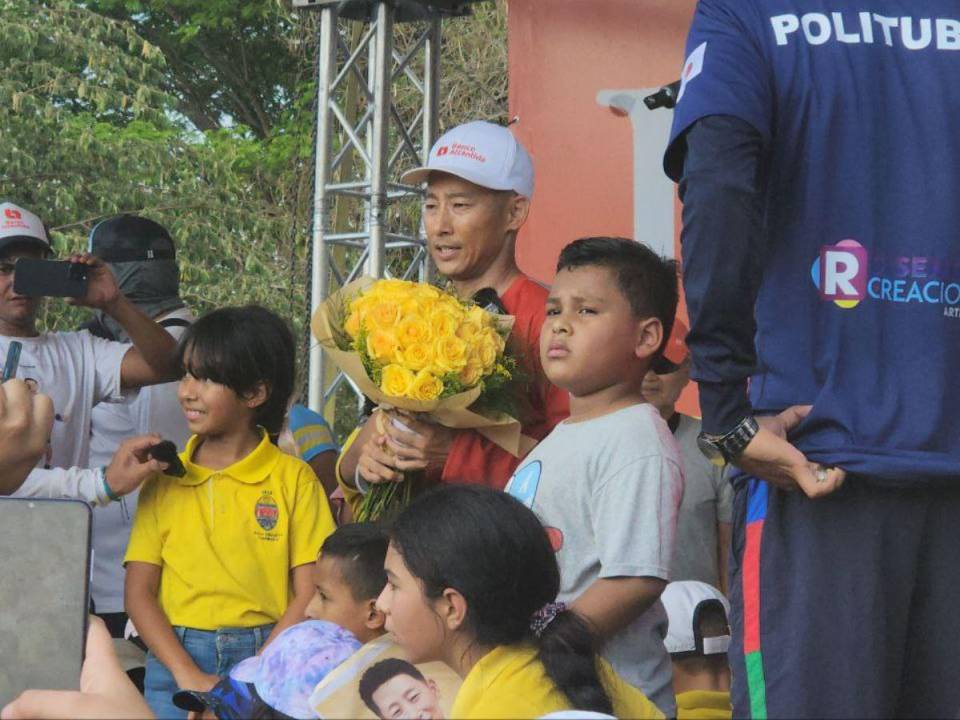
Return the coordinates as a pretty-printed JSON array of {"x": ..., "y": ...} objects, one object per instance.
[
  {"x": 78, "y": 371},
  {"x": 142, "y": 256},
  {"x": 706, "y": 511}
]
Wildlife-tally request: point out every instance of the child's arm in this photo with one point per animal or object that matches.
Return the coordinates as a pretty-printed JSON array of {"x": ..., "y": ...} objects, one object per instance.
[
  {"x": 301, "y": 578},
  {"x": 140, "y": 600},
  {"x": 634, "y": 519},
  {"x": 610, "y": 604}
]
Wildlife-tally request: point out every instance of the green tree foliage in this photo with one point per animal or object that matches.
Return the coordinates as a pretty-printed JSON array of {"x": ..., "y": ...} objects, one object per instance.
[
  {"x": 113, "y": 106},
  {"x": 227, "y": 63},
  {"x": 87, "y": 131}
]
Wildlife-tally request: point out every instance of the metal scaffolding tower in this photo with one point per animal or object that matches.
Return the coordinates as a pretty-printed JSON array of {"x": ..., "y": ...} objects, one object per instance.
[{"x": 370, "y": 53}]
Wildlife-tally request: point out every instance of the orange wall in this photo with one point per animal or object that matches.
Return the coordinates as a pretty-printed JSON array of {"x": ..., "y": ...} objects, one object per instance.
[{"x": 561, "y": 54}]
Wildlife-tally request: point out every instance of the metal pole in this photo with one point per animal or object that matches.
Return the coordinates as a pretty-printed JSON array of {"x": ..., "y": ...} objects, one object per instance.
[
  {"x": 383, "y": 97},
  {"x": 431, "y": 95},
  {"x": 326, "y": 64}
]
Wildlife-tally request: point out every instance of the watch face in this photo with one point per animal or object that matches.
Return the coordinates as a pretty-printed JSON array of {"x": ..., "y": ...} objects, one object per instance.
[{"x": 711, "y": 451}]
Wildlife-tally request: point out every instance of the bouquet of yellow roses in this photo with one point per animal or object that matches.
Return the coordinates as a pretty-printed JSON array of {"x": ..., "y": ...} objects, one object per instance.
[{"x": 416, "y": 348}]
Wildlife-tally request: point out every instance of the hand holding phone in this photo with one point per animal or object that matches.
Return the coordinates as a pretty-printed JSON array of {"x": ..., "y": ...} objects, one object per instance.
[
  {"x": 166, "y": 452},
  {"x": 34, "y": 277}
]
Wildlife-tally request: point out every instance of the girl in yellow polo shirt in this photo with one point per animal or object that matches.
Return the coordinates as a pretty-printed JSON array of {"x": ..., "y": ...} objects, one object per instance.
[
  {"x": 471, "y": 579},
  {"x": 220, "y": 559}
]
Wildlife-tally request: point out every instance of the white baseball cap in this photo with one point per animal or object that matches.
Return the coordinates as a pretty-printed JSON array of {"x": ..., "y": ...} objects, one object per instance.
[
  {"x": 486, "y": 154},
  {"x": 684, "y": 602},
  {"x": 18, "y": 225}
]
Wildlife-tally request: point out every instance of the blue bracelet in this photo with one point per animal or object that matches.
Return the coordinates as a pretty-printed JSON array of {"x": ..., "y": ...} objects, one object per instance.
[{"x": 106, "y": 487}]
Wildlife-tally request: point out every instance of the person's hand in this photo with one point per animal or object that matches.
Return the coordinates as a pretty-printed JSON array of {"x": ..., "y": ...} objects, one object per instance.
[
  {"x": 197, "y": 680},
  {"x": 25, "y": 423},
  {"x": 105, "y": 690},
  {"x": 376, "y": 464},
  {"x": 424, "y": 446},
  {"x": 769, "y": 456},
  {"x": 102, "y": 289},
  {"x": 130, "y": 467}
]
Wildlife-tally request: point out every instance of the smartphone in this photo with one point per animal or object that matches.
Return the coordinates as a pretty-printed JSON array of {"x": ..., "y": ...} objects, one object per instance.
[
  {"x": 49, "y": 278},
  {"x": 44, "y": 594},
  {"x": 166, "y": 452}
]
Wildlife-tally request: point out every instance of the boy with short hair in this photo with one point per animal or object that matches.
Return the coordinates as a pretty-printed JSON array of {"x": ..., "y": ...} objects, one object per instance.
[
  {"x": 698, "y": 636},
  {"x": 607, "y": 482},
  {"x": 396, "y": 688}
]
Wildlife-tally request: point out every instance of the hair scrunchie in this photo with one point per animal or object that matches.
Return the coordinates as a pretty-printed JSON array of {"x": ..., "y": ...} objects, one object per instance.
[{"x": 544, "y": 616}]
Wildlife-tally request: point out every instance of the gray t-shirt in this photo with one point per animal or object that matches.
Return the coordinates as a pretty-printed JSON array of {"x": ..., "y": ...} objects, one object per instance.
[
  {"x": 608, "y": 490},
  {"x": 707, "y": 500}
]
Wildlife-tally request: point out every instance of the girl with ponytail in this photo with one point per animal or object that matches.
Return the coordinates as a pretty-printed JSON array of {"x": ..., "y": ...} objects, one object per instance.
[{"x": 471, "y": 581}]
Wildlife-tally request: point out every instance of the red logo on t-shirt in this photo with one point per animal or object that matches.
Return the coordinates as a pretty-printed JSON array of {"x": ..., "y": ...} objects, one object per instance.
[{"x": 556, "y": 538}]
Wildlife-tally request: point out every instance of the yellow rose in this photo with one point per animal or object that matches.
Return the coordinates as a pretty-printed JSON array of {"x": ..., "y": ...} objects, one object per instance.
[
  {"x": 391, "y": 288},
  {"x": 384, "y": 315},
  {"x": 480, "y": 316},
  {"x": 382, "y": 345},
  {"x": 487, "y": 351},
  {"x": 352, "y": 325},
  {"x": 426, "y": 292},
  {"x": 413, "y": 330},
  {"x": 425, "y": 386},
  {"x": 417, "y": 357},
  {"x": 443, "y": 323},
  {"x": 471, "y": 373},
  {"x": 468, "y": 331},
  {"x": 449, "y": 302},
  {"x": 449, "y": 354},
  {"x": 396, "y": 381}
]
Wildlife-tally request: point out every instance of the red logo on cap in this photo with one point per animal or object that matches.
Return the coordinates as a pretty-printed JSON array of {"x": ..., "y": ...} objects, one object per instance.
[
  {"x": 442, "y": 150},
  {"x": 12, "y": 214}
]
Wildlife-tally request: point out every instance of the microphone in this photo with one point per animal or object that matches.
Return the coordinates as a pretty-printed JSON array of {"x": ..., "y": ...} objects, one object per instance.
[
  {"x": 665, "y": 97},
  {"x": 488, "y": 299}
]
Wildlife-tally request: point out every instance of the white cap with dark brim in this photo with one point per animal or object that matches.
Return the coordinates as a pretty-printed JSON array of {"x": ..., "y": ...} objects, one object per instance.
[
  {"x": 20, "y": 226},
  {"x": 480, "y": 152},
  {"x": 683, "y": 602}
]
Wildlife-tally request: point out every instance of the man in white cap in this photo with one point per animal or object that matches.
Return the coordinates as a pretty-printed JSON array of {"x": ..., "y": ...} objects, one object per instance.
[
  {"x": 78, "y": 371},
  {"x": 479, "y": 182},
  {"x": 698, "y": 635}
]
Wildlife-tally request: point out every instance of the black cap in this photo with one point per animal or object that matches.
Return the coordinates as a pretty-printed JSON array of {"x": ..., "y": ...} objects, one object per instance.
[{"x": 131, "y": 238}]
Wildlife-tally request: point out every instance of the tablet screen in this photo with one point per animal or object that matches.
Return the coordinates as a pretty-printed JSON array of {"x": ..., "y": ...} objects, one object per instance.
[{"x": 44, "y": 594}]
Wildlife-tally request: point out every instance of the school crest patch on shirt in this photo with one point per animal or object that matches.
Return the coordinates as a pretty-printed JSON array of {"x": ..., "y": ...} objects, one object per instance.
[{"x": 266, "y": 512}]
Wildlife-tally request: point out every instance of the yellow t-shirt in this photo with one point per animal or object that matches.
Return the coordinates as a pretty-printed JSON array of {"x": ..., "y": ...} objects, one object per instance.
[
  {"x": 511, "y": 682},
  {"x": 704, "y": 705},
  {"x": 226, "y": 540}
]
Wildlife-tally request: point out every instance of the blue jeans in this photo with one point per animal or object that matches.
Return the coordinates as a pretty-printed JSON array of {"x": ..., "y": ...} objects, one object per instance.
[{"x": 214, "y": 652}]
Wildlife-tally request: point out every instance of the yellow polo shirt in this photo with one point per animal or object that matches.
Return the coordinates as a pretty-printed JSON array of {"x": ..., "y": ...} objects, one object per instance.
[
  {"x": 511, "y": 682},
  {"x": 704, "y": 705},
  {"x": 226, "y": 540}
]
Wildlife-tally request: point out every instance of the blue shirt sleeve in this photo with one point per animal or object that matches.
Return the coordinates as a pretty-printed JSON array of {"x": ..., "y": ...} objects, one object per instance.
[
  {"x": 721, "y": 187},
  {"x": 726, "y": 72},
  {"x": 311, "y": 432}
]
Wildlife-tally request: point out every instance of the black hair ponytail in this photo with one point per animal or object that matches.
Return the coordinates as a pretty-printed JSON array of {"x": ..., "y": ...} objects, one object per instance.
[
  {"x": 493, "y": 550},
  {"x": 568, "y": 652}
]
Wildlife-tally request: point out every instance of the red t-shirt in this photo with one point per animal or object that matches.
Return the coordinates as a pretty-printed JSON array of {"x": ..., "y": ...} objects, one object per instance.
[{"x": 474, "y": 459}]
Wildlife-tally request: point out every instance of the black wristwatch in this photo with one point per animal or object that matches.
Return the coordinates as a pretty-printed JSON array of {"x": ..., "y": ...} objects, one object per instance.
[{"x": 723, "y": 449}]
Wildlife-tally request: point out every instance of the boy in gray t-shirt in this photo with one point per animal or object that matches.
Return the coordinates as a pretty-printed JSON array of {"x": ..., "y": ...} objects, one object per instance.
[{"x": 607, "y": 482}]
